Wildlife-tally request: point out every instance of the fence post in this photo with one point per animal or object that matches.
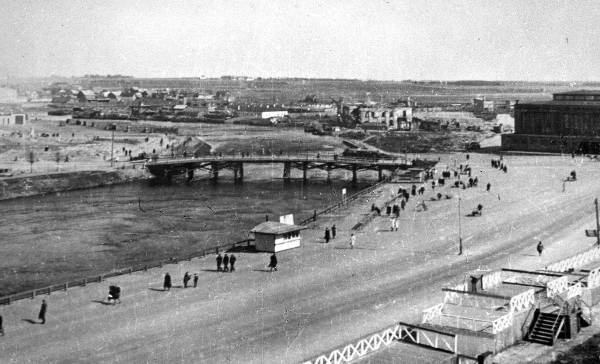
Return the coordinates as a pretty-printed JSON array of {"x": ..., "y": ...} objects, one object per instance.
[
  {"x": 145, "y": 268},
  {"x": 84, "y": 281},
  {"x": 66, "y": 285}
]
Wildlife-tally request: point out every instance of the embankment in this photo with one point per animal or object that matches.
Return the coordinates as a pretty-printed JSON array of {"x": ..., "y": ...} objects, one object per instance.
[{"x": 41, "y": 184}]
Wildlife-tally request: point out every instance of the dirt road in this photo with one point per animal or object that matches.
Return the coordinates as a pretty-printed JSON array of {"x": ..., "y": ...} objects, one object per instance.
[{"x": 323, "y": 295}]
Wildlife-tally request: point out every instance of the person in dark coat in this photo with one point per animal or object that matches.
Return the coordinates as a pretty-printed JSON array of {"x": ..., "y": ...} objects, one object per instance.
[
  {"x": 327, "y": 235},
  {"x": 540, "y": 248},
  {"x": 232, "y": 260},
  {"x": 402, "y": 204},
  {"x": 42, "y": 314},
  {"x": 186, "y": 279},
  {"x": 219, "y": 261},
  {"x": 273, "y": 263},
  {"x": 333, "y": 231},
  {"x": 195, "y": 280},
  {"x": 1, "y": 326},
  {"x": 487, "y": 188},
  {"x": 226, "y": 263},
  {"x": 167, "y": 282}
]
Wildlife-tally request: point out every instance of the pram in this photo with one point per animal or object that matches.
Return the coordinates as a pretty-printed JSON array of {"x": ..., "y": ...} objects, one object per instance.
[{"x": 114, "y": 294}]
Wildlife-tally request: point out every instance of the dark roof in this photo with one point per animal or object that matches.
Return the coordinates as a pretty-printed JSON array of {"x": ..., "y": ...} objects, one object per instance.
[
  {"x": 273, "y": 227},
  {"x": 579, "y": 92},
  {"x": 574, "y": 103}
]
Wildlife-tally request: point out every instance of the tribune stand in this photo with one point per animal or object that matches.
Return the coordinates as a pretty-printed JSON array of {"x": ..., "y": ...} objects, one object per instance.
[{"x": 272, "y": 236}]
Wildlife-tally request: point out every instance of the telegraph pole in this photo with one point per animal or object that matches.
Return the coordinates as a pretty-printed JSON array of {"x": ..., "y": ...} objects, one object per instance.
[
  {"x": 597, "y": 222},
  {"x": 112, "y": 141},
  {"x": 460, "y": 247}
]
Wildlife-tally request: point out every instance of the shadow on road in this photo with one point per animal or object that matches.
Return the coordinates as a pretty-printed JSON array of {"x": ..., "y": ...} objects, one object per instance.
[
  {"x": 31, "y": 321},
  {"x": 103, "y": 302},
  {"x": 157, "y": 289}
]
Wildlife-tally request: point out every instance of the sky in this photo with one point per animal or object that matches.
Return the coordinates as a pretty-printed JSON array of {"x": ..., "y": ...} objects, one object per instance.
[{"x": 526, "y": 40}]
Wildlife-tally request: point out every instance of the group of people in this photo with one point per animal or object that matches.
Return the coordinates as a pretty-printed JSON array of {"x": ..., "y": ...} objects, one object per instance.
[
  {"x": 167, "y": 283},
  {"x": 227, "y": 261},
  {"x": 330, "y": 234}
]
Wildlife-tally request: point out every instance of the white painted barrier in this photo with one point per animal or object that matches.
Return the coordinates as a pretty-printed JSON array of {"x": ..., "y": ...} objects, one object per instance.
[
  {"x": 575, "y": 261},
  {"x": 556, "y": 286},
  {"x": 522, "y": 301},
  {"x": 433, "y": 314},
  {"x": 593, "y": 280},
  {"x": 492, "y": 280}
]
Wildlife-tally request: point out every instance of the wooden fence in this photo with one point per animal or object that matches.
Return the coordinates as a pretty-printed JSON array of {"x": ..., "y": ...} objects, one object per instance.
[{"x": 6, "y": 300}]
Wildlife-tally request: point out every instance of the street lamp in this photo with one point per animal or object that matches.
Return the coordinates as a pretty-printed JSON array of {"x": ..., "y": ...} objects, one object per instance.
[
  {"x": 112, "y": 142},
  {"x": 460, "y": 247}
]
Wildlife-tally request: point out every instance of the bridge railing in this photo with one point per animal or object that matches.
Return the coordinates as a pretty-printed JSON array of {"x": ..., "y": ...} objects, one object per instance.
[
  {"x": 8, "y": 299},
  {"x": 313, "y": 157},
  {"x": 344, "y": 202}
]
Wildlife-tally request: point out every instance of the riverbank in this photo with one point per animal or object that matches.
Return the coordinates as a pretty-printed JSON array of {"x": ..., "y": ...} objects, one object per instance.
[{"x": 42, "y": 184}]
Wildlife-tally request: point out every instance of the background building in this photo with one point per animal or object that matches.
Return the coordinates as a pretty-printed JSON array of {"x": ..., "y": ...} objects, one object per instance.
[{"x": 570, "y": 122}]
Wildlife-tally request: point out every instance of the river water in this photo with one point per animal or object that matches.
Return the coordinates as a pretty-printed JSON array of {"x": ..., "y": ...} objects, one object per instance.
[{"x": 55, "y": 238}]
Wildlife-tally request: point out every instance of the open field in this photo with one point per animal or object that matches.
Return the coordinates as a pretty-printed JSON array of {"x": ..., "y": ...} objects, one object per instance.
[{"x": 323, "y": 295}]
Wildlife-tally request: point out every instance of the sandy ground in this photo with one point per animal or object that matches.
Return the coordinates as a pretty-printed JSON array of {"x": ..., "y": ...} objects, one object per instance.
[
  {"x": 76, "y": 142},
  {"x": 323, "y": 295}
]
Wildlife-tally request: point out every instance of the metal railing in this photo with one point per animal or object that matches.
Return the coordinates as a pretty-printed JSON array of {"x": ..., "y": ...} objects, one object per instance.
[{"x": 8, "y": 299}]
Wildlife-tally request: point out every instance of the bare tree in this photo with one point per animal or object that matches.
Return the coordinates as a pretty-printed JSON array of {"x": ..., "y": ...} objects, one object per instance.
[
  {"x": 31, "y": 160},
  {"x": 57, "y": 159}
]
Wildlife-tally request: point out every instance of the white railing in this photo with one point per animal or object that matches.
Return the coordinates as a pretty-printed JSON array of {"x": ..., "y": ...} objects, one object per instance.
[
  {"x": 522, "y": 301},
  {"x": 502, "y": 323},
  {"x": 492, "y": 280},
  {"x": 575, "y": 261},
  {"x": 574, "y": 290},
  {"x": 593, "y": 279},
  {"x": 556, "y": 286},
  {"x": 433, "y": 314},
  {"x": 403, "y": 332}
]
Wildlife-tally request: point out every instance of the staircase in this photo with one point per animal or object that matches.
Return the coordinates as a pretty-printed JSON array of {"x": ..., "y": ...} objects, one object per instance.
[{"x": 546, "y": 328}]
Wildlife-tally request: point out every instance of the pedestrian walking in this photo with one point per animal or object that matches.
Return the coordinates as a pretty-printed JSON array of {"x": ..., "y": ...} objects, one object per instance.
[
  {"x": 396, "y": 224},
  {"x": 273, "y": 263},
  {"x": 186, "y": 279},
  {"x": 352, "y": 241},
  {"x": 392, "y": 223},
  {"x": 327, "y": 235},
  {"x": 167, "y": 282},
  {"x": 540, "y": 248},
  {"x": 226, "y": 263},
  {"x": 232, "y": 260},
  {"x": 488, "y": 186},
  {"x": 195, "y": 280},
  {"x": 333, "y": 231},
  {"x": 402, "y": 204},
  {"x": 42, "y": 314},
  {"x": 219, "y": 261}
]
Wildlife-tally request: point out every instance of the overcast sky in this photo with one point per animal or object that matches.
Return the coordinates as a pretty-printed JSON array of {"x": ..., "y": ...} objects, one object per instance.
[{"x": 386, "y": 40}]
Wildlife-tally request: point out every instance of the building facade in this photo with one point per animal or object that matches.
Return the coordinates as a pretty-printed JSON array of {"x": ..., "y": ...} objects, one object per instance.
[
  {"x": 570, "y": 122},
  {"x": 394, "y": 118}
]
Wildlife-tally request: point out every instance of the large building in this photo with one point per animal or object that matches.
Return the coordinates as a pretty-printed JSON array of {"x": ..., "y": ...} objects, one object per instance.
[
  {"x": 394, "y": 118},
  {"x": 570, "y": 122}
]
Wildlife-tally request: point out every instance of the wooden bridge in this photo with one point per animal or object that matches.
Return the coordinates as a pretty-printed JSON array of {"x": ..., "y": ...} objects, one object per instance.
[{"x": 170, "y": 167}]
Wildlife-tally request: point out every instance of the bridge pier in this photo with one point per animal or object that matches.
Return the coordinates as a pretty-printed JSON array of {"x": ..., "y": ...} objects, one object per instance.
[
  {"x": 354, "y": 168},
  {"x": 238, "y": 172},
  {"x": 304, "y": 172},
  {"x": 286, "y": 171},
  {"x": 380, "y": 173},
  {"x": 328, "y": 173},
  {"x": 190, "y": 175},
  {"x": 214, "y": 170}
]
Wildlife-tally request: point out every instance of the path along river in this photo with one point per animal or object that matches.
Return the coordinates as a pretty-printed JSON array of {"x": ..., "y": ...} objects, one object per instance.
[{"x": 55, "y": 238}]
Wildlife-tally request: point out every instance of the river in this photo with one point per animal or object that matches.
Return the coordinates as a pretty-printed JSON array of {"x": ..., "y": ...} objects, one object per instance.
[{"x": 55, "y": 238}]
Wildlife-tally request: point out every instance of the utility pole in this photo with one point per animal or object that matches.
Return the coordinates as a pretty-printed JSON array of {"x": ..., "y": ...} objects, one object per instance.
[
  {"x": 460, "y": 247},
  {"x": 597, "y": 222},
  {"x": 112, "y": 142}
]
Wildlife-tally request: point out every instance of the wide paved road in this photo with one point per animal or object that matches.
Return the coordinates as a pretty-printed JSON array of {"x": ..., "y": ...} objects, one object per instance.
[{"x": 323, "y": 295}]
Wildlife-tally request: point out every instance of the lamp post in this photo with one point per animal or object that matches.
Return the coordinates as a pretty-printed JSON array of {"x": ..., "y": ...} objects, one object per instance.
[
  {"x": 460, "y": 246},
  {"x": 597, "y": 222},
  {"x": 112, "y": 142}
]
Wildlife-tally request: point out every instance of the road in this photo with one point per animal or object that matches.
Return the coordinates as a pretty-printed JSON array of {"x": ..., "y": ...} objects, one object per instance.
[{"x": 323, "y": 295}]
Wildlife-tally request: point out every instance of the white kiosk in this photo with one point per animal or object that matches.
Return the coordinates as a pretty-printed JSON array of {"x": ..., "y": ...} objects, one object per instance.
[{"x": 273, "y": 237}]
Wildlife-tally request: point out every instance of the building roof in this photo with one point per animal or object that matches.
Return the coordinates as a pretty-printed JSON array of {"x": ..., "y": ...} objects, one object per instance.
[
  {"x": 580, "y": 92},
  {"x": 574, "y": 103},
  {"x": 276, "y": 228}
]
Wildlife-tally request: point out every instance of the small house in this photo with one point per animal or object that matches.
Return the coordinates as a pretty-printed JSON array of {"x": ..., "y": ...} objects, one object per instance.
[{"x": 271, "y": 236}]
